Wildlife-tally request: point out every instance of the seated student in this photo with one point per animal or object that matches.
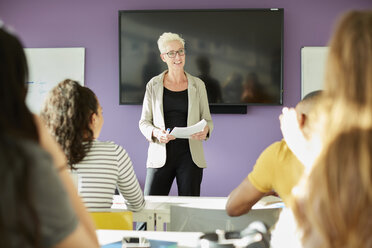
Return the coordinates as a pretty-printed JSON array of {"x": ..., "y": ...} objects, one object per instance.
[
  {"x": 347, "y": 99},
  {"x": 277, "y": 169},
  {"x": 39, "y": 206},
  {"x": 333, "y": 209},
  {"x": 332, "y": 205},
  {"x": 74, "y": 117}
]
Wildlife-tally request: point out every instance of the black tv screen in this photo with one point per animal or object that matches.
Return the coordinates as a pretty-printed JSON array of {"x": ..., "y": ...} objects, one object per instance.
[{"x": 238, "y": 53}]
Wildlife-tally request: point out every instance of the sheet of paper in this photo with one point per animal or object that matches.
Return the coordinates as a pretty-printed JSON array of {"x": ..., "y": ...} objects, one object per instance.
[{"x": 185, "y": 132}]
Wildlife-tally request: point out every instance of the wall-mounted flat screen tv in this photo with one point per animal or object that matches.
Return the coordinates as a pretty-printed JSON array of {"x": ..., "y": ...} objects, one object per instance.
[{"x": 238, "y": 53}]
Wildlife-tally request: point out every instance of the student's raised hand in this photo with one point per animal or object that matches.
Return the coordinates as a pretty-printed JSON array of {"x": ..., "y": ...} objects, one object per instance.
[
  {"x": 201, "y": 135},
  {"x": 290, "y": 128},
  {"x": 305, "y": 150}
]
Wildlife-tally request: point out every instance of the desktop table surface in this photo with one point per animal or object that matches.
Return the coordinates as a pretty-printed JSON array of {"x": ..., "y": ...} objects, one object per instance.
[
  {"x": 161, "y": 202},
  {"x": 157, "y": 211}
]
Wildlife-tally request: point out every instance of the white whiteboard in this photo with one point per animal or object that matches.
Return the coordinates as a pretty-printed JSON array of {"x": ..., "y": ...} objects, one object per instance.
[
  {"x": 313, "y": 61},
  {"x": 48, "y": 67}
]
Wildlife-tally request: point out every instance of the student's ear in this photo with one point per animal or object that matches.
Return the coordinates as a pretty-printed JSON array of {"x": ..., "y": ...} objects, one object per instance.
[
  {"x": 301, "y": 120},
  {"x": 93, "y": 118}
]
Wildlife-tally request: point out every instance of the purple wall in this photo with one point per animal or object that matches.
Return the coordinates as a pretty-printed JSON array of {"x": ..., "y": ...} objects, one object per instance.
[{"x": 237, "y": 140}]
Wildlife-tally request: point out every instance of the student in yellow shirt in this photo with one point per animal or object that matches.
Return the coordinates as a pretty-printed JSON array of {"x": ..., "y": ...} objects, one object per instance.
[{"x": 277, "y": 169}]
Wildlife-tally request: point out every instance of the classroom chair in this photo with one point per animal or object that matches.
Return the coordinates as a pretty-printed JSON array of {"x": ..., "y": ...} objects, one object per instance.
[{"x": 113, "y": 220}]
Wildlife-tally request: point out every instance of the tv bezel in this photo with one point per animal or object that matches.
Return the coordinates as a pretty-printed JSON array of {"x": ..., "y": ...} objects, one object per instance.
[{"x": 216, "y": 108}]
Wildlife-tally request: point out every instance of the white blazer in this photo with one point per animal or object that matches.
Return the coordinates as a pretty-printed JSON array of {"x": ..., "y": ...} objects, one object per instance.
[{"x": 153, "y": 117}]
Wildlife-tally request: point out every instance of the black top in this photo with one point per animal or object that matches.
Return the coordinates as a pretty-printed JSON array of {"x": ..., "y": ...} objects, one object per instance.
[
  {"x": 175, "y": 108},
  {"x": 175, "y": 115}
]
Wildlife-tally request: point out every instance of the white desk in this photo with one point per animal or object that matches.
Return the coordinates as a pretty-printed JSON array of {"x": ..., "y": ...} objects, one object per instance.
[
  {"x": 203, "y": 211},
  {"x": 184, "y": 239},
  {"x": 163, "y": 210},
  {"x": 157, "y": 212},
  {"x": 147, "y": 214}
]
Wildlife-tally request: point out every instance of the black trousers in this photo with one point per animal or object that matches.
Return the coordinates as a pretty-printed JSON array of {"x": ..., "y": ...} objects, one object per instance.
[{"x": 179, "y": 165}]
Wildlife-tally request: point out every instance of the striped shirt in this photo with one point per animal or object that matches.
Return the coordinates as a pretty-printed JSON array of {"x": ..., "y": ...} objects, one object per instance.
[{"x": 106, "y": 166}]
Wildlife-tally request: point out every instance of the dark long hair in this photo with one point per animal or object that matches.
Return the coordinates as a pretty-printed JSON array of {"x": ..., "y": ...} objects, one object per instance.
[
  {"x": 67, "y": 113},
  {"x": 16, "y": 117},
  {"x": 17, "y": 212}
]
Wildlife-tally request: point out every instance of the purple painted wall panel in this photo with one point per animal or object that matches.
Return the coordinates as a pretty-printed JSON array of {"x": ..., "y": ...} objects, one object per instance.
[{"x": 237, "y": 140}]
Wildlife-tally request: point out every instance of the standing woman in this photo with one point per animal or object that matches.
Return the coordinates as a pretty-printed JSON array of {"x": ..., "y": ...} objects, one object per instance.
[{"x": 174, "y": 98}]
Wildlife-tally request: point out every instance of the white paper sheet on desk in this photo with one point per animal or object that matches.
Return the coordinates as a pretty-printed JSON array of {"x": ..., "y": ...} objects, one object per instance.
[{"x": 185, "y": 132}]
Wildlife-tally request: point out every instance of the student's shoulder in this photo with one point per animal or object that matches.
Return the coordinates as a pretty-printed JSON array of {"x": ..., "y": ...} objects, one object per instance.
[
  {"x": 272, "y": 157},
  {"x": 105, "y": 145},
  {"x": 276, "y": 147},
  {"x": 40, "y": 159},
  {"x": 278, "y": 150},
  {"x": 282, "y": 150}
]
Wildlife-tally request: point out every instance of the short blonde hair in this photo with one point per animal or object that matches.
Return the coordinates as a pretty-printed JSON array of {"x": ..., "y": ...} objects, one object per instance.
[{"x": 167, "y": 37}]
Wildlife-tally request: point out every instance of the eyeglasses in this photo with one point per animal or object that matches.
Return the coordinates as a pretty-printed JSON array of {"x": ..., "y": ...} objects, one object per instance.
[{"x": 172, "y": 54}]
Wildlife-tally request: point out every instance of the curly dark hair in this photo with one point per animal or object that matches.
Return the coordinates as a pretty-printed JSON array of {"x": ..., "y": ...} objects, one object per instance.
[{"x": 67, "y": 113}]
